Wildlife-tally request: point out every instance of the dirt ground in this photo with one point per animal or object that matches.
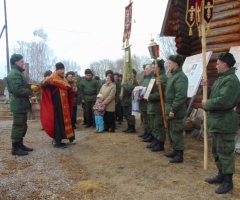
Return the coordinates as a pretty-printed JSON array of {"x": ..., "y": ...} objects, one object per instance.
[{"x": 104, "y": 166}]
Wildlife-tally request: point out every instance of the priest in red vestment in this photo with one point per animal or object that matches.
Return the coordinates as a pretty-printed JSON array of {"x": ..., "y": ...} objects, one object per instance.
[{"x": 56, "y": 107}]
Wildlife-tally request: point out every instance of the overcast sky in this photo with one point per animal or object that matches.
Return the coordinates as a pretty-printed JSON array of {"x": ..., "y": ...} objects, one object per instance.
[{"x": 82, "y": 31}]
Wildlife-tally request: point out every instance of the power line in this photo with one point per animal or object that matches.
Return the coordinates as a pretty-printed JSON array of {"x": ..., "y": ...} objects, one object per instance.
[{"x": 98, "y": 33}]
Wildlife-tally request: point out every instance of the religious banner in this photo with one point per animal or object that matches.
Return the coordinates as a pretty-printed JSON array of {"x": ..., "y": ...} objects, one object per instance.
[
  {"x": 127, "y": 22},
  {"x": 198, "y": 4},
  {"x": 190, "y": 14},
  {"x": 207, "y": 12},
  {"x": 235, "y": 50},
  {"x": 128, "y": 64},
  {"x": 193, "y": 69}
]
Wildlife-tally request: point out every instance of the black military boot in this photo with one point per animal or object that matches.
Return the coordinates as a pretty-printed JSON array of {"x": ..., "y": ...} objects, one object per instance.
[
  {"x": 112, "y": 128},
  {"x": 152, "y": 144},
  {"x": 171, "y": 154},
  {"x": 144, "y": 134},
  {"x": 84, "y": 121},
  {"x": 16, "y": 150},
  {"x": 217, "y": 179},
  {"x": 158, "y": 147},
  {"x": 149, "y": 139},
  {"x": 23, "y": 147},
  {"x": 88, "y": 124},
  {"x": 226, "y": 186},
  {"x": 178, "y": 158},
  {"x": 131, "y": 130},
  {"x": 127, "y": 128}
]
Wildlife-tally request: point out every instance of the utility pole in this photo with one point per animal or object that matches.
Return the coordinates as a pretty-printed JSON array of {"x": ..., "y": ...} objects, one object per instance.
[{"x": 6, "y": 31}]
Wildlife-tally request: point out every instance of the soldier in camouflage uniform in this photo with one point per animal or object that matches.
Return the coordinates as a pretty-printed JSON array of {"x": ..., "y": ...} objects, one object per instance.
[
  {"x": 222, "y": 120},
  {"x": 19, "y": 104},
  {"x": 175, "y": 107},
  {"x": 127, "y": 103},
  {"x": 120, "y": 81},
  {"x": 154, "y": 110},
  {"x": 88, "y": 89},
  {"x": 117, "y": 100},
  {"x": 70, "y": 78},
  {"x": 149, "y": 74}
]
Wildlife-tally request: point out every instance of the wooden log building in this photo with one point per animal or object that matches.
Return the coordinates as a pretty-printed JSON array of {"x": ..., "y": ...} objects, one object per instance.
[{"x": 225, "y": 32}]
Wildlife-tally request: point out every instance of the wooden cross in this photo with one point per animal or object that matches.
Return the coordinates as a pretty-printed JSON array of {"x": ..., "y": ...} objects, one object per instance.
[{"x": 208, "y": 7}]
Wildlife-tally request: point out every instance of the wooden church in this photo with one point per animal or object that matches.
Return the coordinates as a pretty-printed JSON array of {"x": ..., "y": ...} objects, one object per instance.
[{"x": 225, "y": 32}]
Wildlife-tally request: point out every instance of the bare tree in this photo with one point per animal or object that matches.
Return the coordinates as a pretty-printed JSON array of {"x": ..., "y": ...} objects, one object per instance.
[
  {"x": 99, "y": 68},
  {"x": 167, "y": 46},
  {"x": 71, "y": 66},
  {"x": 37, "y": 53}
]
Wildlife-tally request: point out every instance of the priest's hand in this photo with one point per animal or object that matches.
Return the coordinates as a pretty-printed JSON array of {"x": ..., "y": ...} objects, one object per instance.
[{"x": 74, "y": 89}]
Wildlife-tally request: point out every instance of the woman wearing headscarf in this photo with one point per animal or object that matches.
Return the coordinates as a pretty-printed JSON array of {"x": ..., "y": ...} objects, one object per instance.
[{"x": 108, "y": 90}]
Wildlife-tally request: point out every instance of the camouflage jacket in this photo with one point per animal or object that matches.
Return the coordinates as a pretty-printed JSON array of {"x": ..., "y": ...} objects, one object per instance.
[
  {"x": 224, "y": 96},
  {"x": 19, "y": 89},
  {"x": 144, "y": 82},
  {"x": 127, "y": 92},
  {"x": 154, "y": 104},
  {"x": 176, "y": 94},
  {"x": 88, "y": 90}
]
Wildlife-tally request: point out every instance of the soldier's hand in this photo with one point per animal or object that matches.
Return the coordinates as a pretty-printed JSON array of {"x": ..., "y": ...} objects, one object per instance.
[
  {"x": 203, "y": 102},
  {"x": 83, "y": 101},
  {"x": 204, "y": 82},
  {"x": 158, "y": 82},
  {"x": 146, "y": 99},
  {"x": 120, "y": 97},
  {"x": 171, "y": 115}
]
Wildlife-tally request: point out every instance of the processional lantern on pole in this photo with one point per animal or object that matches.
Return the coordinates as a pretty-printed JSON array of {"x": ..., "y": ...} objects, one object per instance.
[{"x": 154, "y": 51}]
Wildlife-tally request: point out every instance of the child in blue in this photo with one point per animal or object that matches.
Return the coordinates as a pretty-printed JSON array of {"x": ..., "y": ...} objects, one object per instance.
[{"x": 99, "y": 110}]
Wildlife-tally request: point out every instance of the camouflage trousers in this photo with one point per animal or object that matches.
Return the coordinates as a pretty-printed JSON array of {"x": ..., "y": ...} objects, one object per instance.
[
  {"x": 88, "y": 111},
  {"x": 223, "y": 146},
  {"x": 127, "y": 111},
  {"x": 175, "y": 133},
  {"x": 146, "y": 121},
  {"x": 118, "y": 111},
  {"x": 19, "y": 127},
  {"x": 158, "y": 130}
]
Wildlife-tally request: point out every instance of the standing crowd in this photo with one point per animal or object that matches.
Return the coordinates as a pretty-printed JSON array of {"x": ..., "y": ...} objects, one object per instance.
[{"x": 106, "y": 103}]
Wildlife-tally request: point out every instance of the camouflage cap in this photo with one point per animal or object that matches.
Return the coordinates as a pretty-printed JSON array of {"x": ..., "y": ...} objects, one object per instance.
[
  {"x": 47, "y": 73},
  {"x": 227, "y": 58},
  {"x": 15, "y": 57},
  {"x": 177, "y": 59},
  {"x": 160, "y": 63},
  {"x": 108, "y": 72},
  {"x": 88, "y": 71},
  {"x": 97, "y": 78},
  {"x": 70, "y": 72}
]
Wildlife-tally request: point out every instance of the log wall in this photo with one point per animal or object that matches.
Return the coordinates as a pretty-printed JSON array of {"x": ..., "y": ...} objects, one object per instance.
[{"x": 225, "y": 32}]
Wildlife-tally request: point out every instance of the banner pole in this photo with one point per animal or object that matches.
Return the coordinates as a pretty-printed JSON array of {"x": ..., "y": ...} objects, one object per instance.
[
  {"x": 203, "y": 27},
  {"x": 161, "y": 95}
]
